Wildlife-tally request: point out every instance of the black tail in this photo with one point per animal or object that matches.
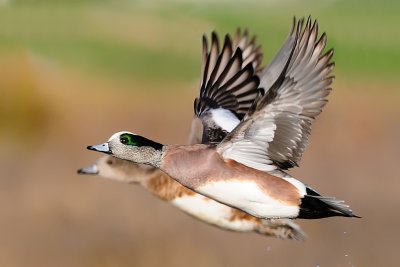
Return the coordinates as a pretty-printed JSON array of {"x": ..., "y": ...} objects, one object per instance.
[{"x": 315, "y": 206}]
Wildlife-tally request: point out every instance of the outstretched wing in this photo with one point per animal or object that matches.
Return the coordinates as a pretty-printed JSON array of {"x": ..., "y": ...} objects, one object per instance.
[
  {"x": 229, "y": 84},
  {"x": 274, "y": 69},
  {"x": 275, "y": 131},
  {"x": 251, "y": 51}
]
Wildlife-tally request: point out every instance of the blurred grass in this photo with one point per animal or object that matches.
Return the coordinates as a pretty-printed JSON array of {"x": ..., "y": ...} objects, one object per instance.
[{"x": 363, "y": 33}]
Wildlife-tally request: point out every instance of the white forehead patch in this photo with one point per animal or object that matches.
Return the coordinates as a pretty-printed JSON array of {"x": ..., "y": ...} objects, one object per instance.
[
  {"x": 225, "y": 119},
  {"x": 116, "y": 135}
]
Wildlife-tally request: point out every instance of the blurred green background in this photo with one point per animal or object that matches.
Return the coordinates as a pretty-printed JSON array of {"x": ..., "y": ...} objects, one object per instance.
[
  {"x": 142, "y": 39},
  {"x": 74, "y": 72}
]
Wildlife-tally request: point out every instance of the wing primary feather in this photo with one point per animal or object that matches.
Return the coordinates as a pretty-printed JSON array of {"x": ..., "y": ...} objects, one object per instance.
[
  {"x": 226, "y": 50},
  {"x": 276, "y": 128},
  {"x": 227, "y": 82},
  {"x": 212, "y": 58},
  {"x": 236, "y": 58}
]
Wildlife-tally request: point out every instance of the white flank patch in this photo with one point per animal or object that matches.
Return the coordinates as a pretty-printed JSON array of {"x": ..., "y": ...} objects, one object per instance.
[
  {"x": 212, "y": 212},
  {"x": 225, "y": 119},
  {"x": 247, "y": 196},
  {"x": 299, "y": 185}
]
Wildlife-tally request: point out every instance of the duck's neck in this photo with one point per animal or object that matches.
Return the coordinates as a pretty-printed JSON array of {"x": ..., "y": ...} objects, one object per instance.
[
  {"x": 144, "y": 155},
  {"x": 155, "y": 157}
]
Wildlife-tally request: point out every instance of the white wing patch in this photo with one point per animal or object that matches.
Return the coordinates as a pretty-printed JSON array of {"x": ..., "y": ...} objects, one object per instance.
[
  {"x": 225, "y": 119},
  {"x": 251, "y": 147}
]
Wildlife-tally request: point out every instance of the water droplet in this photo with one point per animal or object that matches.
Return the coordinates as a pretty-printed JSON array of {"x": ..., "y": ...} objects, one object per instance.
[
  {"x": 268, "y": 248},
  {"x": 344, "y": 232},
  {"x": 346, "y": 255}
]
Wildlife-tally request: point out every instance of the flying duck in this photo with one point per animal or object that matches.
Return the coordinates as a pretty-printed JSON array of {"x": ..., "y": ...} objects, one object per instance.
[
  {"x": 165, "y": 188},
  {"x": 196, "y": 205},
  {"x": 246, "y": 170}
]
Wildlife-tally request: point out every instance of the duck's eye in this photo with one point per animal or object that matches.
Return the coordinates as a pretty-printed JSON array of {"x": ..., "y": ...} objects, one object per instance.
[
  {"x": 127, "y": 139},
  {"x": 124, "y": 140},
  {"x": 109, "y": 162}
]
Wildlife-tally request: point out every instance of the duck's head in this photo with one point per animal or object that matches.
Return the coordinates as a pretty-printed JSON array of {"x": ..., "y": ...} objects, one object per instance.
[
  {"x": 118, "y": 169},
  {"x": 132, "y": 147}
]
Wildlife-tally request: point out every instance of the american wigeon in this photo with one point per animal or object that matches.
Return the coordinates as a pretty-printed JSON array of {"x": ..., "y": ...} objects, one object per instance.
[
  {"x": 246, "y": 169},
  {"x": 196, "y": 205},
  {"x": 164, "y": 187}
]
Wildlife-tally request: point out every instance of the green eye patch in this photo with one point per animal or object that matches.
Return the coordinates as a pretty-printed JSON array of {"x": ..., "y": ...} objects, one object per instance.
[
  {"x": 128, "y": 139},
  {"x": 137, "y": 140}
]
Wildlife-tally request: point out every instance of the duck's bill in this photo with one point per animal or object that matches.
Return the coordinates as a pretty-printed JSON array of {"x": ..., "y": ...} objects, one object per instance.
[
  {"x": 101, "y": 148},
  {"x": 89, "y": 170}
]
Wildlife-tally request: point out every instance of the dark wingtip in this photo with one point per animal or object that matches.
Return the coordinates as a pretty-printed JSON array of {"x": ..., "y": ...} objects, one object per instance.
[{"x": 90, "y": 148}]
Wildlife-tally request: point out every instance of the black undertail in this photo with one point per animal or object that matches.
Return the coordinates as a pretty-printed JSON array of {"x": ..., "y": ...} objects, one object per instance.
[{"x": 315, "y": 206}]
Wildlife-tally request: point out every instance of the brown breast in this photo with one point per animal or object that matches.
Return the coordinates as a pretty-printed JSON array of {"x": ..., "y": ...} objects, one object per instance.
[
  {"x": 196, "y": 165},
  {"x": 166, "y": 188}
]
